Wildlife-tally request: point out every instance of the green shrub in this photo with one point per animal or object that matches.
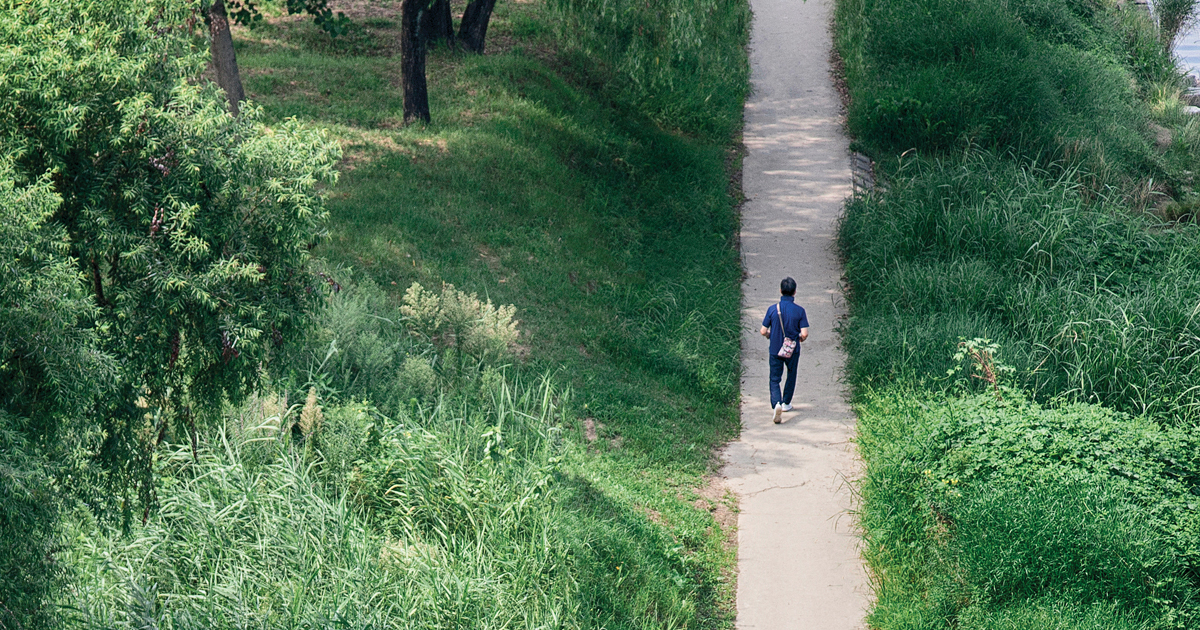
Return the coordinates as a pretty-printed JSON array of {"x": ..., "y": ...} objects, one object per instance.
[
  {"x": 31, "y": 571},
  {"x": 354, "y": 346},
  {"x": 362, "y": 346},
  {"x": 51, "y": 368},
  {"x": 461, "y": 324},
  {"x": 975, "y": 506}
]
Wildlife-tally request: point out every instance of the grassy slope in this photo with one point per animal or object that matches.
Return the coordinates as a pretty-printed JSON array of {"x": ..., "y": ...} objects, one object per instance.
[
  {"x": 1020, "y": 144},
  {"x": 613, "y": 238}
]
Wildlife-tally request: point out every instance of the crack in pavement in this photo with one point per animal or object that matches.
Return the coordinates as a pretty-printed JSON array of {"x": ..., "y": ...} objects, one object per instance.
[
  {"x": 797, "y": 567},
  {"x": 776, "y": 487}
]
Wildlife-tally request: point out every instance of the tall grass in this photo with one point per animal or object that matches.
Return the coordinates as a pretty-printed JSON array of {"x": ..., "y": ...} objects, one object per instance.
[
  {"x": 1036, "y": 77},
  {"x": 450, "y": 522},
  {"x": 1015, "y": 141},
  {"x": 679, "y": 61},
  {"x": 1089, "y": 302}
]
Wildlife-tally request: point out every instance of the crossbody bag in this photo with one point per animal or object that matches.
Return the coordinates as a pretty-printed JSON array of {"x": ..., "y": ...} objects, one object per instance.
[{"x": 789, "y": 345}]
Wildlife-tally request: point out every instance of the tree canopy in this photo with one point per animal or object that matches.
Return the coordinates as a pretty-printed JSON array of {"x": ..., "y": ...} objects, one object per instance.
[{"x": 154, "y": 245}]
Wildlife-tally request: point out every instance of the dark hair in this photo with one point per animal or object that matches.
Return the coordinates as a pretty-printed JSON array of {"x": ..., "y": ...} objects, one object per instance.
[{"x": 788, "y": 286}]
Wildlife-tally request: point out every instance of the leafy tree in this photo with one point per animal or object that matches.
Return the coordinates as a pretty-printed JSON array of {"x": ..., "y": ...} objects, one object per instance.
[
  {"x": 189, "y": 227},
  {"x": 49, "y": 365}
]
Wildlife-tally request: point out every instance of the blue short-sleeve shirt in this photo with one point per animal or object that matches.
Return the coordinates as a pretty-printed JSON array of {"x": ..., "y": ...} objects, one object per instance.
[{"x": 794, "y": 318}]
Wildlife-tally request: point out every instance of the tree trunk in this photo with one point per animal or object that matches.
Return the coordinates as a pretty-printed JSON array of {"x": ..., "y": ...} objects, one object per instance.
[
  {"x": 223, "y": 58},
  {"x": 438, "y": 24},
  {"x": 473, "y": 30},
  {"x": 412, "y": 60}
]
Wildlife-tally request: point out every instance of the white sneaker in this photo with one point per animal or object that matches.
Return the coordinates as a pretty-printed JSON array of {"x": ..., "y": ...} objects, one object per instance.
[
  {"x": 778, "y": 414},
  {"x": 787, "y": 407}
]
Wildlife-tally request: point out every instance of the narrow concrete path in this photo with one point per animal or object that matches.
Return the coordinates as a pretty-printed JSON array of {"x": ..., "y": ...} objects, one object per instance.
[{"x": 798, "y": 559}]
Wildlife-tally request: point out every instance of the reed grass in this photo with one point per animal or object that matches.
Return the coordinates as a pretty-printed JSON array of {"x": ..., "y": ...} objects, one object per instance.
[{"x": 1088, "y": 301}]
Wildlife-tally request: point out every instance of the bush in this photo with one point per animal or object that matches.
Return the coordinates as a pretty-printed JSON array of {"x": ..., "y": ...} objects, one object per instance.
[
  {"x": 31, "y": 572},
  {"x": 354, "y": 347},
  {"x": 362, "y": 347},
  {"x": 188, "y": 230},
  {"x": 458, "y": 322},
  {"x": 977, "y": 506}
]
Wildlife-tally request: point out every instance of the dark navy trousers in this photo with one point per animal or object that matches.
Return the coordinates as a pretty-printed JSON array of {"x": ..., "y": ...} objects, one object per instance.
[{"x": 789, "y": 386}]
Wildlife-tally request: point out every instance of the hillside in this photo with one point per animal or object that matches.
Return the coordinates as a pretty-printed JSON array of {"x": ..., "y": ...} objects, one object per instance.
[{"x": 417, "y": 452}]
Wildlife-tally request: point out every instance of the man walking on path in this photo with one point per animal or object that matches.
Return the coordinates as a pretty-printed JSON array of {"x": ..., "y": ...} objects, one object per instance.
[
  {"x": 792, "y": 323},
  {"x": 798, "y": 542}
]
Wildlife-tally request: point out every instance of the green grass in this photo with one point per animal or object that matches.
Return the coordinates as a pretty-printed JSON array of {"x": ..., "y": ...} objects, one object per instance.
[
  {"x": 429, "y": 531},
  {"x": 1088, "y": 301},
  {"x": 613, "y": 238},
  {"x": 1040, "y": 79},
  {"x": 995, "y": 513},
  {"x": 1038, "y": 194},
  {"x": 605, "y": 216}
]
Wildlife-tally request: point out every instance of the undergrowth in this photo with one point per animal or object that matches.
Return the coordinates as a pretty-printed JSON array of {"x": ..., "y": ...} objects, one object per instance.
[
  {"x": 417, "y": 458},
  {"x": 1036, "y": 223}
]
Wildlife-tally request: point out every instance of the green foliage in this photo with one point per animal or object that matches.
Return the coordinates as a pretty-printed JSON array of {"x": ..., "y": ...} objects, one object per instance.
[
  {"x": 1173, "y": 16},
  {"x": 192, "y": 228},
  {"x": 458, "y": 528},
  {"x": 248, "y": 12},
  {"x": 614, "y": 240},
  {"x": 987, "y": 509},
  {"x": 356, "y": 347},
  {"x": 1050, "y": 613},
  {"x": 1035, "y": 77},
  {"x": 49, "y": 360},
  {"x": 50, "y": 366},
  {"x": 681, "y": 62},
  {"x": 455, "y": 320},
  {"x": 341, "y": 501},
  {"x": 30, "y": 573},
  {"x": 1011, "y": 227},
  {"x": 1088, "y": 302},
  {"x": 1080, "y": 542}
]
